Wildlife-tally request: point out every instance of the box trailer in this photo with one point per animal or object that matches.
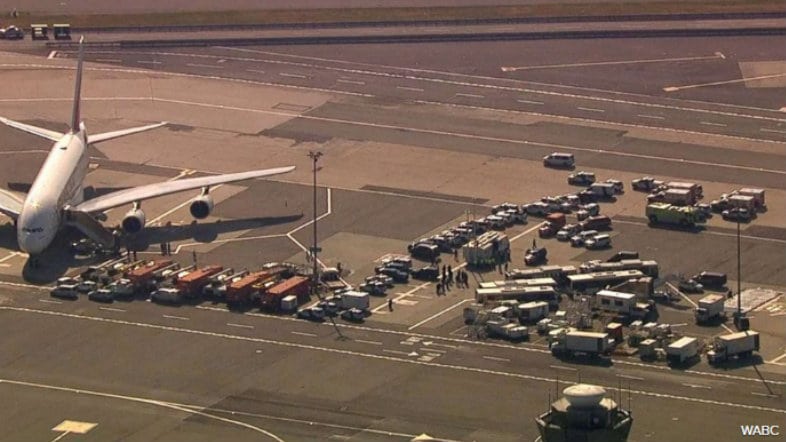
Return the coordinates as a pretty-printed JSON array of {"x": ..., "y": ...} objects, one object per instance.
[
  {"x": 533, "y": 311},
  {"x": 740, "y": 345},
  {"x": 299, "y": 286},
  {"x": 507, "y": 330},
  {"x": 682, "y": 350},
  {"x": 710, "y": 308},
  {"x": 353, "y": 299},
  {"x": 618, "y": 302},
  {"x": 578, "y": 343}
]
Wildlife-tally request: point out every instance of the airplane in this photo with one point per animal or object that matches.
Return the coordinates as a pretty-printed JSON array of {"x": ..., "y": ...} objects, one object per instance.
[{"x": 56, "y": 197}]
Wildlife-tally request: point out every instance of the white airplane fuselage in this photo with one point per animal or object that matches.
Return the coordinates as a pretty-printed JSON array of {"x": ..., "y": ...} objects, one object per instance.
[{"x": 57, "y": 185}]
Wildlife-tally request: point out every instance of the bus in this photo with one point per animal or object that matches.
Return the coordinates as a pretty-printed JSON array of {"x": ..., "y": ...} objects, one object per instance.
[
  {"x": 649, "y": 267},
  {"x": 519, "y": 283}
]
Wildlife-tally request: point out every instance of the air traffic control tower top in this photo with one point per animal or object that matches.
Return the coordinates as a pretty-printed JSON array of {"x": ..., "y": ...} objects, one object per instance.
[{"x": 584, "y": 415}]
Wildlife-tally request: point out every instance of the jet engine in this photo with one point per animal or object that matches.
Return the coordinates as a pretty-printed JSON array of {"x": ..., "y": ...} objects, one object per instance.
[
  {"x": 201, "y": 206},
  {"x": 133, "y": 221}
]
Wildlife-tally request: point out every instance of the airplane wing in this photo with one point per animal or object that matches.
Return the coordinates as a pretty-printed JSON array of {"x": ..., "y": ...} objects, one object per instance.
[
  {"x": 126, "y": 196},
  {"x": 40, "y": 131},
  {"x": 97, "y": 138},
  {"x": 10, "y": 204}
]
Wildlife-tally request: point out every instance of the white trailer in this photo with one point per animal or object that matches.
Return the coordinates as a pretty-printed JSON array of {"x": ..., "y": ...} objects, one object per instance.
[
  {"x": 518, "y": 283},
  {"x": 682, "y": 350},
  {"x": 522, "y": 294},
  {"x": 740, "y": 345},
  {"x": 710, "y": 308},
  {"x": 578, "y": 343},
  {"x": 353, "y": 299},
  {"x": 507, "y": 330},
  {"x": 533, "y": 311},
  {"x": 618, "y": 302}
]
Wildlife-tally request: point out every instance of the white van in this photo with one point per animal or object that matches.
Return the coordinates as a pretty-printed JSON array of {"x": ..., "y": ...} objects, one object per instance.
[
  {"x": 598, "y": 242},
  {"x": 558, "y": 159}
]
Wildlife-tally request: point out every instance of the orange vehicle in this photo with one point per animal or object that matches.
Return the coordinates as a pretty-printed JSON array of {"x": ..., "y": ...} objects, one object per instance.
[
  {"x": 296, "y": 285},
  {"x": 191, "y": 284}
]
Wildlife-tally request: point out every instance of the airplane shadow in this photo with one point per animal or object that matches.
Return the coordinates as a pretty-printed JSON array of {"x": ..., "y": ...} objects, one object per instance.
[{"x": 56, "y": 260}]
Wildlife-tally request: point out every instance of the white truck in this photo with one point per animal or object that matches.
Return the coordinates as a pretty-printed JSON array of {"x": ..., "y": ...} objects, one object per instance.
[
  {"x": 710, "y": 308},
  {"x": 507, "y": 330},
  {"x": 533, "y": 311},
  {"x": 353, "y": 299},
  {"x": 682, "y": 350},
  {"x": 578, "y": 343},
  {"x": 740, "y": 345}
]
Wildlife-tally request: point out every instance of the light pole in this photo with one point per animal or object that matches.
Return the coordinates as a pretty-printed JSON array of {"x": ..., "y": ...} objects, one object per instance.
[
  {"x": 315, "y": 155},
  {"x": 738, "y": 316}
]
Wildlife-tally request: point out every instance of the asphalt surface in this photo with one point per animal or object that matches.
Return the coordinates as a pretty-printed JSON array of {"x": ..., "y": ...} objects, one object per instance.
[{"x": 391, "y": 135}]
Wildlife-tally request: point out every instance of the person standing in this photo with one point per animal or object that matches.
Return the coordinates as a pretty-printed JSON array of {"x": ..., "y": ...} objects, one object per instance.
[{"x": 390, "y": 304}]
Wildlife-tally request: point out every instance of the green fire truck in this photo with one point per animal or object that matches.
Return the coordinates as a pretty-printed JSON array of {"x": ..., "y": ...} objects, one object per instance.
[{"x": 662, "y": 213}]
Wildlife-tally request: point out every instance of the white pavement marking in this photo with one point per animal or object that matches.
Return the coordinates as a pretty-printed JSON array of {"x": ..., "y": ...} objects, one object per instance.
[
  {"x": 717, "y": 56},
  {"x": 148, "y": 62},
  {"x": 407, "y": 88},
  {"x": 590, "y": 109},
  {"x": 227, "y": 240},
  {"x": 9, "y": 256},
  {"x": 529, "y": 101},
  {"x": 112, "y": 309},
  {"x": 764, "y": 394},
  {"x": 291, "y": 233},
  {"x": 775, "y": 361},
  {"x": 286, "y": 74},
  {"x": 561, "y": 367},
  {"x": 171, "y": 405},
  {"x": 775, "y": 131},
  {"x": 256, "y": 71},
  {"x": 109, "y": 60},
  {"x": 635, "y": 378},
  {"x": 198, "y": 65},
  {"x": 494, "y": 358},
  {"x": 232, "y": 324},
  {"x": 179, "y": 318},
  {"x": 706, "y": 387},
  {"x": 710, "y": 123},
  {"x": 397, "y": 352},
  {"x": 368, "y": 342},
  {"x": 358, "y": 82},
  {"x": 52, "y": 55},
  {"x": 652, "y": 117},
  {"x": 461, "y": 94},
  {"x": 717, "y": 83},
  {"x": 50, "y": 301},
  {"x": 310, "y": 335},
  {"x": 440, "y": 313}
]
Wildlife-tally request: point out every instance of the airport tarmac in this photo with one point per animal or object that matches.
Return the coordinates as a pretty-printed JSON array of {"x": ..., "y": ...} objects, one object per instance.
[{"x": 394, "y": 170}]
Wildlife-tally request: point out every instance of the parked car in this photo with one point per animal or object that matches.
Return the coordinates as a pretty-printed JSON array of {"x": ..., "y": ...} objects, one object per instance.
[
  {"x": 397, "y": 275},
  {"x": 517, "y": 215},
  {"x": 101, "y": 295},
  {"x": 704, "y": 208},
  {"x": 11, "y": 33},
  {"x": 557, "y": 159},
  {"x": 737, "y": 214},
  {"x": 567, "y": 231},
  {"x": 387, "y": 281},
  {"x": 711, "y": 279},
  {"x": 618, "y": 186},
  {"x": 592, "y": 208},
  {"x": 504, "y": 207},
  {"x": 578, "y": 239},
  {"x": 65, "y": 291},
  {"x": 374, "y": 288},
  {"x": 429, "y": 273},
  {"x": 718, "y": 206},
  {"x": 86, "y": 286},
  {"x": 353, "y": 315},
  {"x": 538, "y": 209},
  {"x": 581, "y": 178},
  {"x": 597, "y": 242},
  {"x": 311, "y": 314},
  {"x": 645, "y": 184},
  {"x": 428, "y": 252},
  {"x": 600, "y": 222},
  {"x": 535, "y": 256}
]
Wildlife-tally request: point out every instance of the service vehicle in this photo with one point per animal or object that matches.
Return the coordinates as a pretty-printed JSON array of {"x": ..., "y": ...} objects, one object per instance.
[
  {"x": 719, "y": 205},
  {"x": 385, "y": 280},
  {"x": 711, "y": 279},
  {"x": 682, "y": 350},
  {"x": 86, "y": 286},
  {"x": 496, "y": 222},
  {"x": 504, "y": 207},
  {"x": 533, "y": 311},
  {"x": 101, "y": 295},
  {"x": 739, "y": 345},
  {"x": 517, "y": 215},
  {"x": 600, "y": 222},
  {"x": 661, "y": 213},
  {"x": 602, "y": 190},
  {"x": 67, "y": 280},
  {"x": 560, "y": 160},
  {"x": 398, "y": 275},
  {"x": 737, "y": 214},
  {"x": 354, "y": 299},
  {"x": 353, "y": 315},
  {"x": 312, "y": 314},
  {"x": 554, "y": 222},
  {"x": 581, "y": 178},
  {"x": 404, "y": 262},
  {"x": 695, "y": 190},
  {"x": 597, "y": 242},
  {"x": 709, "y": 309},
  {"x": 11, "y": 33},
  {"x": 742, "y": 202},
  {"x": 579, "y": 239},
  {"x": 167, "y": 295},
  {"x": 592, "y": 282},
  {"x": 518, "y": 293},
  {"x": 758, "y": 197},
  {"x": 690, "y": 286},
  {"x": 507, "y": 330},
  {"x": 426, "y": 252}
]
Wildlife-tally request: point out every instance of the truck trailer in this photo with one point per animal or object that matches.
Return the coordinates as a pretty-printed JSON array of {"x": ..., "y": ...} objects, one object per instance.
[
  {"x": 682, "y": 350},
  {"x": 298, "y": 286},
  {"x": 578, "y": 343},
  {"x": 740, "y": 345}
]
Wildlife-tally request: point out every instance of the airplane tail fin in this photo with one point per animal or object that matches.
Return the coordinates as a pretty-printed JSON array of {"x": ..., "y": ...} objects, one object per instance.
[{"x": 75, "y": 115}]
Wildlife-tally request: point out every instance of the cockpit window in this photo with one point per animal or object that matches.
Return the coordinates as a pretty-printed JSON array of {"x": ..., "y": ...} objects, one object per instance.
[{"x": 32, "y": 229}]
